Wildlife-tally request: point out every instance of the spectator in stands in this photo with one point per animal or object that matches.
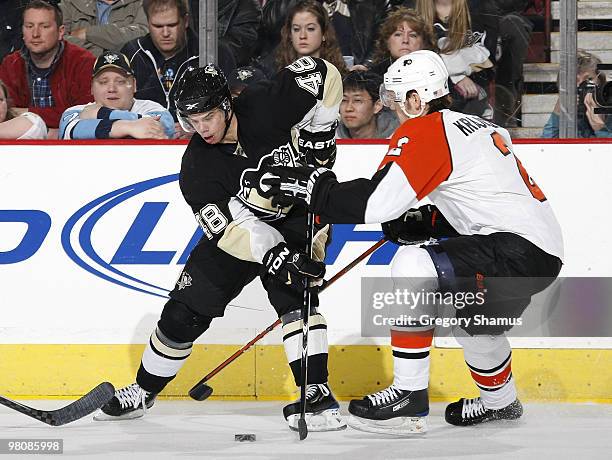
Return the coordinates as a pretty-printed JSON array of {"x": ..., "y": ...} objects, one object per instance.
[
  {"x": 237, "y": 26},
  {"x": 403, "y": 32},
  {"x": 159, "y": 57},
  {"x": 10, "y": 26},
  {"x": 514, "y": 35},
  {"x": 362, "y": 115},
  {"x": 589, "y": 123},
  {"x": 356, "y": 24},
  {"x": 273, "y": 15},
  {"x": 462, "y": 46},
  {"x": 115, "y": 113},
  {"x": 308, "y": 32},
  {"x": 242, "y": 77},
  {"x": 98, "y": 25},
  {"x": 28, "y": 125},
  {"x": 49, "y": 74}
]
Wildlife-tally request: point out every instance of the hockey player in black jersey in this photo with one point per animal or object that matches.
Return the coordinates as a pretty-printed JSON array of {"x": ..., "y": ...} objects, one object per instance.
[{"x": 244, "y": 235}]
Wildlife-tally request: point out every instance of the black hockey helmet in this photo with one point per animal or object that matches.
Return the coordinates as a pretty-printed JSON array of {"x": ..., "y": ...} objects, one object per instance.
[{"x": 201, "y": 89}]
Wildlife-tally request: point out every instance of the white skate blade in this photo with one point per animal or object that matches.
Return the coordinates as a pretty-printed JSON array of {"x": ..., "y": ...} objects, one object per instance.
[
  {"x": 399, "y": 426},
  {"x": 328, "y": 420},
  {"x": 102, "y": 417}
]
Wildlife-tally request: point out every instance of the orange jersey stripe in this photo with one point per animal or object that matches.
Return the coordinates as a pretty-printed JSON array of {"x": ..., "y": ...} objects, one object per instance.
[
  {"x": 421, "y": 149},
  {"x": 406, "y": 339},
  {"x": 493, "y": 380}
]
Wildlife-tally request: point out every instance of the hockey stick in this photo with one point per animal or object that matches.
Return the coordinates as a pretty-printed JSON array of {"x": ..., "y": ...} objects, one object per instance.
[
  {"x": 80, "y": 408},
  {"x": 302, "y": 427},
  {"x": 200, "y": 391}
]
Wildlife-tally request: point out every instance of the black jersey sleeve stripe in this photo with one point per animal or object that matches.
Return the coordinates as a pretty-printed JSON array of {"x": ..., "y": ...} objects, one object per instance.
[{"x": 346, "y": 202}]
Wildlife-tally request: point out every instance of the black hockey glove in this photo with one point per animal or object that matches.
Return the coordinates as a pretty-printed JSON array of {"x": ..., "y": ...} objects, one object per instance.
[
  {"x": 318, "y": 149},
  {"x": 418, "y": 224},
  {"x": 286, "y": 185},
  {"x": 290, "y": 267}
]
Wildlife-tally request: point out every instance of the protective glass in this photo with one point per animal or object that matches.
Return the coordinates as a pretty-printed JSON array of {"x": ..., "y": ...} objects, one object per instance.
[
  {"x": 390, "y": 97},
  {"x": 184, "y": 122}
]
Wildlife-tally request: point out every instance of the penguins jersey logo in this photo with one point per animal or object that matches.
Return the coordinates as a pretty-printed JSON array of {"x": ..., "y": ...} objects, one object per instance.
[
  {"x": 184, "y": 281},
  {"x": 284, "y": 155}
]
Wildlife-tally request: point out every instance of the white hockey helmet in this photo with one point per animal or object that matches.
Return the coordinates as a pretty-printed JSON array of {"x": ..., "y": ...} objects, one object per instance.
[{"x": 421, "y": 71}]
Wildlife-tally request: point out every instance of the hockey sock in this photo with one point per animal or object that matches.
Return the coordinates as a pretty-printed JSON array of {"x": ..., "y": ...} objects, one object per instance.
[
  {"x": 411, "y": 357},
  {"x": 317, "y": 345},
  {"x": 161, "y": 361},
  {"x": 489, "y": 359}
]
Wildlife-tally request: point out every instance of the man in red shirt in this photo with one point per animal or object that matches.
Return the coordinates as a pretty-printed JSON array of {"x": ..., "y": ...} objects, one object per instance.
[{"x": 48, "y": 75}]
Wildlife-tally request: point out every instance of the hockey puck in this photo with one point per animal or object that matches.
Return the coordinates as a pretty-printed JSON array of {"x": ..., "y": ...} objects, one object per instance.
[{"x": 244, "y": 437}]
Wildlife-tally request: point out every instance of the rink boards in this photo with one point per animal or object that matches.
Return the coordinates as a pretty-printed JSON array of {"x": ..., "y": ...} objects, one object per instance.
[{"x": 93, "y": 235}]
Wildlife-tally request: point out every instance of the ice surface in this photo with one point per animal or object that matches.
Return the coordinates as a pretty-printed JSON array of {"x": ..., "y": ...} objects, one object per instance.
[{"x": 189, "y": 429}]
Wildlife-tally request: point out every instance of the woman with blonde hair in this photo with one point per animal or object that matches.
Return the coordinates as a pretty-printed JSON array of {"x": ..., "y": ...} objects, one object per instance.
[
  {"x": 307, "y": 31},
  {"x": 26, "y": 125},
  {"x": 462, "y": 47},
  {"x": 403, "y": 32}
]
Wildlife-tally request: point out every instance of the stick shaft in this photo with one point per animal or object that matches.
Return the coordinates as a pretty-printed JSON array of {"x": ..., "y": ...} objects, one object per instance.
[
  {"x": 305, "y": 328},
  {"x": 272, "y": 326}
]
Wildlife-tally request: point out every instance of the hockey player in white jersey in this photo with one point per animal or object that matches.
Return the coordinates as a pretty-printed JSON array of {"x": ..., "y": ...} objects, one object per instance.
[{"x": 504, "y": 226}]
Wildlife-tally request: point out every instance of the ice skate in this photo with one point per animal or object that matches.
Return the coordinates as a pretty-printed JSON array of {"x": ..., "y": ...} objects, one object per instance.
[
  {"x": 467, "y": 412},
  {"x": 391, "y": 411},
  {"x": 128, "y": 403},
  {"x": 322, "y": 410}
]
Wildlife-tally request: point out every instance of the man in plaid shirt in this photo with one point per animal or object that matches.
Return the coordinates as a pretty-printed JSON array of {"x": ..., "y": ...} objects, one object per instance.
[{"x": 49, "y": 74}]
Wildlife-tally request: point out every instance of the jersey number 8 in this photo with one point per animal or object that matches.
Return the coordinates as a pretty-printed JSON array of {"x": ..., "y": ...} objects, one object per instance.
[{"x": 212, "y": 220}]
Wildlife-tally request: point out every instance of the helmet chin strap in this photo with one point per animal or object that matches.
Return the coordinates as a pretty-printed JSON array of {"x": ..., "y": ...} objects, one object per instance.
[
  {"x": 412, "y": 115},
  {"x": 228, "y": 122}
]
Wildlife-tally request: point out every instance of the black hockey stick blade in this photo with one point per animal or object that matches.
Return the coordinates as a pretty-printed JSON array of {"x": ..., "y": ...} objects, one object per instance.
[
  {"x": 80, "y": 408},
  {"x": 200, "y": 392},
  {"x": 302, "y": 429}
]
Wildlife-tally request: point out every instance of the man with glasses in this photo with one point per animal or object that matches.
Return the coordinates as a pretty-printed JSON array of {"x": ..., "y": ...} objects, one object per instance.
[{"x": 362, "y": 115}]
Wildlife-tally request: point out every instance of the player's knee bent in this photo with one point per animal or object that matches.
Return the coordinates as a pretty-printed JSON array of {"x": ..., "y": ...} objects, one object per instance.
[
  {"x": 412, "y": 262},
  {"x": 180, "y": 324},
  {"x": 292, "y": 334},
  {"x": 292, "y": 328},
  {"x": 294, "y": 317},
  {"x": 413, "y": 269}
]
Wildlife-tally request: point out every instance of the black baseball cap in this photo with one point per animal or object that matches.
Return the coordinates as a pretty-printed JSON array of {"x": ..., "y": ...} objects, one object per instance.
[{"x": 112, "y": 60}]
